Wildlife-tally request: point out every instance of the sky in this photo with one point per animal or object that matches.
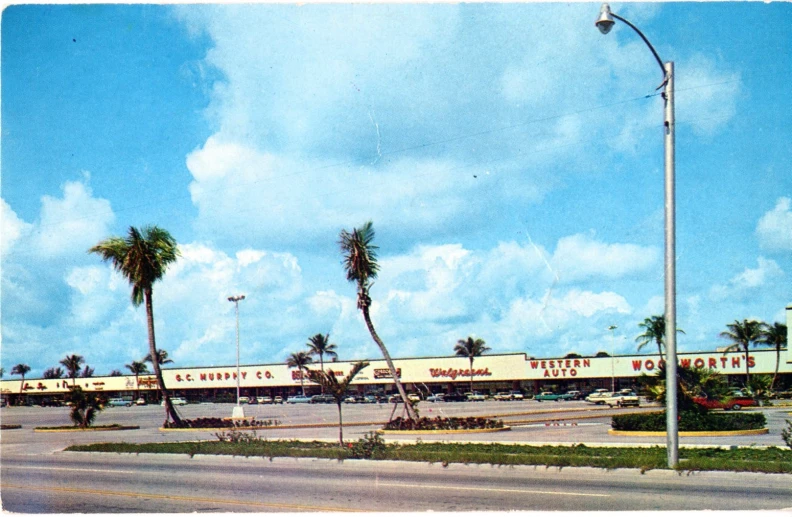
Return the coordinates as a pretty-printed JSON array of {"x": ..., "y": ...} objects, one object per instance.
[{"x": 509, "y": 156}]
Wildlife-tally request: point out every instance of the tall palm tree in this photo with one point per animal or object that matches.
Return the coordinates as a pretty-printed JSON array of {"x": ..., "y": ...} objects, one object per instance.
[
  {"x": 743, "y": 334},
  {"x": 775, "y": 335},
  {"x": 336, "y": 388},
  {"x": 360, "y": 263},
  {"x": 142, "y": 258},
  {"x": 162, "y": 356},
  {"x": 654, "y": 331},
  {"x": 2, "y": 372},
  {"x": 320, "y": 345},
  {"x": 73, "y": 363},
  {"x": 87, "y": 372},
  {"x": 470, "y": 348},
  {"x": 22, "y": 370},
  {"x": 54, "y": 373},
  {"x": 299, "y": 360},
  {"x": 137, "y": 367},
  {"x": 116, "y": 373}
]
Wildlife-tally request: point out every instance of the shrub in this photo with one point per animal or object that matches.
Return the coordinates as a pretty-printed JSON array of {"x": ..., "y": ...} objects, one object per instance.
[
  {"x": 215, "y": 423},
  {"x": 786, "y": 434},
  {"x": 690, "y": 421},
  {"x": 371, "y": 446},
  {"x": 442, "y": 424}
]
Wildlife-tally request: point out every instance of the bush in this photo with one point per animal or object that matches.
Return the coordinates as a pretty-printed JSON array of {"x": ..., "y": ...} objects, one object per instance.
[
  {"x": 442, "y": 424},
  {"x": 786, "y": 434},
  {"x": 371, "y": 446},
  {"x": 215, "y": 423},
  {"x": 690, "y": 421}
]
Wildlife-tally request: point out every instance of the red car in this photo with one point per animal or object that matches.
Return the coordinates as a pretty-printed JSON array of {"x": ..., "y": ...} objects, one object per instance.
[{"x": 734, "y": 403}]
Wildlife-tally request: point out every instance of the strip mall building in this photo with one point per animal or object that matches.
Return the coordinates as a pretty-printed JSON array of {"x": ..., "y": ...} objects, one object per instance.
[{"x": 491, "y": 373}]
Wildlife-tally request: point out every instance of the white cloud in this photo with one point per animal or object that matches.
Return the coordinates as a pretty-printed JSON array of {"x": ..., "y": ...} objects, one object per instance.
[
  {"x": 775, "y": 227},
  {"x": 12, "y": 227},
  {"x": 579, "y": 257},
  {"x": 748, "y": 280},
  {"x": 706, "y": 95}
]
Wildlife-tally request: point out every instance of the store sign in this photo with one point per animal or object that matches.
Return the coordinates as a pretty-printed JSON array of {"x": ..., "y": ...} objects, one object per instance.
[
  {"x": 221, "y": 376},
  {"x": 560, "y": 367},
  {"x": 453, "y": 373},
  {"x": 384, "y": 373},
  {"x": 715, "y": 363}
]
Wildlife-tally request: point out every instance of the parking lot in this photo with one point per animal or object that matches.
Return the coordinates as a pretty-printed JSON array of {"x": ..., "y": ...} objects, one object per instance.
[{"x": 530, "y": 421}]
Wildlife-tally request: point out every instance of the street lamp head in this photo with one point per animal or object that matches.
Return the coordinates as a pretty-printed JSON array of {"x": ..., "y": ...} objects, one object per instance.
[
  {"x": 236, "y": 298},
  {"x": 605, "y": 21}
]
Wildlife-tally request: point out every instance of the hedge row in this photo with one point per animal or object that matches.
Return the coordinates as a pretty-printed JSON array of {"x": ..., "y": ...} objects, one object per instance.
[
  {"x": 442, "y": 424},
  {"x": 690, "y": 421}
]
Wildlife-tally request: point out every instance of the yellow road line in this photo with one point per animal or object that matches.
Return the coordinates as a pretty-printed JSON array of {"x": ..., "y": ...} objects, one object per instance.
[
  {"x": 182, "y": 498},
  {"x": 481, "y": 489}
]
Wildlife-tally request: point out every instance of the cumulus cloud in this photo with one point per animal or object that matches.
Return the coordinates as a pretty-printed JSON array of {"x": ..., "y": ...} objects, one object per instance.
[
  {"x": 775, "y": 227},
  {"x": 578, "y": 257},
  {"x": 12, "y": 227},
  {"x": 748, "y": 281}
]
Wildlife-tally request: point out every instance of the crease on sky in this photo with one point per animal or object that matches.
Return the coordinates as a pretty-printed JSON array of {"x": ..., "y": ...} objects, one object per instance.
[
  {"x": 379, "y": 138},
  {"x": 555, "y": 280}
]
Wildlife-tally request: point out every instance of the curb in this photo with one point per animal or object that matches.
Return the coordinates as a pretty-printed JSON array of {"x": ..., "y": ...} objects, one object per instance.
[
  {"x": 295, "y": 426},
  {"x": 447, "y": 431},
  {"x": 746, "y": 432},
  {"x": 87, "y": 430}
]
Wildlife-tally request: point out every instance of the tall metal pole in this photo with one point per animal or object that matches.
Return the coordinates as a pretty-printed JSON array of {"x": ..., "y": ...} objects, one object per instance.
[
  {"x": 604, "y": 24},
  {"x": 613, "y": 374},
  {"x": 238, "y": 412},
  {"x": 672, "y": 422}
]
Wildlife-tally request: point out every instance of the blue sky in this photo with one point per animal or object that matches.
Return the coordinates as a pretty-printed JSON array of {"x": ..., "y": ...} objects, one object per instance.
[{"x": 509, "y": 155}]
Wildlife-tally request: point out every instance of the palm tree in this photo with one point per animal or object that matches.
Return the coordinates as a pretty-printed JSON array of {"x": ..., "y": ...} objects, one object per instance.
[
  {"x": 21, "y": 369},
  {"x": 87, "y": 372},
  {"x": 142, "y": 258},
  {"x": 2, "y": 372},
  {"x": 116, "y": 373},
  {"x": 73, "y": 363},
  {"x": 654, "y": 331},
  {"x": 320, "y": 345},
  {"x": 743, "y": 334},
  {"x": 360, "y": 263},
  {"x": 299, "y": 360},
  {"x": 53, "y": 373},
  {"x": 775, "y": 335},
  {"x": 84, "y": 408},
  {"x": 162, "y": 356},
  {"x": 336, "y": 388},
  {"x": 470, "y": 348},
  {"x": 138, "y": 367}
]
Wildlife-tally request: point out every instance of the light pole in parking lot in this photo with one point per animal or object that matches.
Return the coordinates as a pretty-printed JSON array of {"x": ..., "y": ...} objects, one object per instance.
[
  {"x": 605, "y": 23},
  {"x": 613, "y": 373},
  {"x": 238, "y": 411}
]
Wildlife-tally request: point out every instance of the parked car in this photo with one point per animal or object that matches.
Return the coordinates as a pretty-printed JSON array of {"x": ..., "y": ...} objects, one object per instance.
[
  {"x": 475, "y": 396},
  {"x": 454, "y": 397},
  {"x": 502, "y": 395},
  {"x": 549, "y": 395},
  {"x": 176, "y": 401},
  {"x": 414, "y": 397},
  {"x": 370, "y": 399},
  {"x": 277, "y": 400},
  {"x": 730, "y": 402},
  {"x": 264, "y": 400},
  {"x": 322, "y": 399},
  {"x": 575, "y": 395},
  {"x": 298, "y": 399},
  {"x": 140, "y": 402},
  {"x": 437, "y": 397},
  {"x": 597, "y": 396},
  {"x": 516, "y": 395},
  {"x": 119, "y": 402},
  {"x": 622, "y": 398},
  {"x": 244, "y": 400}
]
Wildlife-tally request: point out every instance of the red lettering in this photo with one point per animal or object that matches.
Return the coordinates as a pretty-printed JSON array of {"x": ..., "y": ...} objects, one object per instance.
[
  {"x": 547, "y": 373},
  {"x": 563, "y": 372},
  {"x": 534, "y": 364},
  {"x": 211, "y": 376},
  {"x": 555, "y": 373},
  {"x": 178, "y": 378},
  {"x": 699, "y": 362},
  {"x": 258, "y": 375},
  {"x": 751, "y": 363},
  {"x": 244, "y": 374},
  {"x": 227, "y": 375},
  {"x": 685, "y": 363},
  {"x": 268, "y": 374},
  {"x": 712, "y": 362},
  {"x": 573, "y": 372},
  {"x": 636, "y": 365},
  {"x": 189, "y": 377},
  {"x": 577, "y": 363},
  {"x": 649, "y": 364},
  {"x": 586, "y": 362},
  {"x": 735, "y": 362},
  {"x": 723, "y": 361}
]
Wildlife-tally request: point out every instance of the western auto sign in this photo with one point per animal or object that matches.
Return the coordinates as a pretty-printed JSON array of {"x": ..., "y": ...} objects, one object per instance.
[{"x": 550, "y": 368}]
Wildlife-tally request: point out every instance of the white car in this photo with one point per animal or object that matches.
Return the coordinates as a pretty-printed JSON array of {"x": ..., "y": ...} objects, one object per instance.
[
  {"x": 176, "y": 401},
  {"x": 598, "y": 396},
  {"x": 264, "y": 400}
]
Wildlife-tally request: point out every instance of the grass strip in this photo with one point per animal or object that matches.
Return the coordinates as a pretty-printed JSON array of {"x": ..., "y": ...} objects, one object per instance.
[{"x": 770, "y": 460}]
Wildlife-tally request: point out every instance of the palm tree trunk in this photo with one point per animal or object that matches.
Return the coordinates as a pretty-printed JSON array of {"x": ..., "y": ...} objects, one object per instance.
[
  {"x": 137, "y": 386},
  {"x": 302, "y": 385},
  {"x": 321, "y": 365},
  {"x": 660, "y": 349},
  {"x": 389, "y": 361},
  {"x": 778, "y": 360},
  {"x": 471, "y": 374},
  {"x": 170, "y": 411},
  {"x": 340, "y": 425},
  {"x": 747, "y": 372}
]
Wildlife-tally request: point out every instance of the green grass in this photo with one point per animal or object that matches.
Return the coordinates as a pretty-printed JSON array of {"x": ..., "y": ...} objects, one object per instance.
[{"x": 771, "y": 460}]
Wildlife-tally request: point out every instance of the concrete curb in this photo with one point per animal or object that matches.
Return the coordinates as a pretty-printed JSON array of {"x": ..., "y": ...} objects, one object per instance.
[
  {"x": 446, "y": 431},
  {"x": 87, "y": 430},
  {"x": 746, "y": 432}
]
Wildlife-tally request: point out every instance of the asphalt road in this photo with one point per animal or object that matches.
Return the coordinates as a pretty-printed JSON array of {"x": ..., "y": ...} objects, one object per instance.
[{"x": 36, "y": 477}]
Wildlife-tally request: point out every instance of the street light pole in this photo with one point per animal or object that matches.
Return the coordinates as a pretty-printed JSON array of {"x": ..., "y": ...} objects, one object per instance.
[
  {"x": 238, "y": 411},
  {"x": 604, "y": 24},
  {"x": 613, "y": 375}
]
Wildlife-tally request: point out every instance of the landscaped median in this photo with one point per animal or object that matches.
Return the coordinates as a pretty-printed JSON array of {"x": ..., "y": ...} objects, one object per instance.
[
  {"x": 769, "y": 460},
  {"x": 691, "y": 423},
  {"x": 72, "y": 428}
]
